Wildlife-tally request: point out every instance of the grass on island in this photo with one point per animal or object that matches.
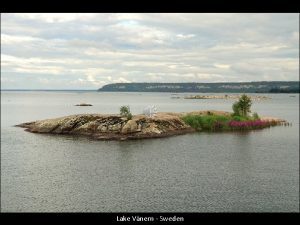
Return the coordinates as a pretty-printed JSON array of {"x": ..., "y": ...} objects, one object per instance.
[
  {"x": 240, "y": 119},
  {"x": 226, "y": 122}
]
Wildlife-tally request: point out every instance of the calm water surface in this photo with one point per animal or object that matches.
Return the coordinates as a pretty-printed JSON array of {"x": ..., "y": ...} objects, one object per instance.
[{"x": 256, "y": 171}]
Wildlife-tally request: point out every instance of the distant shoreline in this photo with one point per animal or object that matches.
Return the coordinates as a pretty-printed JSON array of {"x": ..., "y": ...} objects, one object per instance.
[
  {"x": 263, "y": 87},
  {"x": 221, "y": 87}
]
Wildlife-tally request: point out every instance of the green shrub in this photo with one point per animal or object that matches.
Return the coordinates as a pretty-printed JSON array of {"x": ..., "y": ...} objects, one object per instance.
[
  {"x": 129, "y": 116},
  {"x": 245, "y": 103},
  {"x": 236, "y": 109},
  {"x": 240, "y": 118},
  {"x": 242, "y": 106},
  {"x": 255, "y": 116},
  {"x": 193, "y": 121},
  {"x": 125, "y": 111},
  {"x": 207, "y": 122}
]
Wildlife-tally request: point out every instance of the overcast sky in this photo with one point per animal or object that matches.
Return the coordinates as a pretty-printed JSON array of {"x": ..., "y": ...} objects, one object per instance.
[{"x": 87, "y": 51}]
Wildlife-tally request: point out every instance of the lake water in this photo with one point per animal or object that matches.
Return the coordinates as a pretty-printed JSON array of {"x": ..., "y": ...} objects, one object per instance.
[{"x": 256, "y": 171}]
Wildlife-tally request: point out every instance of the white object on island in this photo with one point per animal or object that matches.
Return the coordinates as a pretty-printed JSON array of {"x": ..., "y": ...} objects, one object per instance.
[{"x": 150, "y": 111}]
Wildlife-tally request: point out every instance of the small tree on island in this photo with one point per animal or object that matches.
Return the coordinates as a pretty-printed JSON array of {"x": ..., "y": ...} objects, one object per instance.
[
  {"x": 236, "y": 109},
  {"x": 125, "y": 111},
  {"x": 242, "y": 106}
]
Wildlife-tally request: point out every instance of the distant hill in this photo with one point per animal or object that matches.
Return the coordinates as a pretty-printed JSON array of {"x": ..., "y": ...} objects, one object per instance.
[{"x": 244, "y": 87}]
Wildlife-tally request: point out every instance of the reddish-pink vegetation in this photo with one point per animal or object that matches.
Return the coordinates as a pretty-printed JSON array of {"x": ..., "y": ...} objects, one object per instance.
[{"x": 251, "y": 124}]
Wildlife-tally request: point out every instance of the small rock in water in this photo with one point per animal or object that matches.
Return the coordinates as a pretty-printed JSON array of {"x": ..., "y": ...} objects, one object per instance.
[{"x": 84, "y": 104}]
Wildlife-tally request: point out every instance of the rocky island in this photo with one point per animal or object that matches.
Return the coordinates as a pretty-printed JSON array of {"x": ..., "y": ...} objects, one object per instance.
[
  {"x": 111, "y": 127},
  {"x": 163, "y": 124}
]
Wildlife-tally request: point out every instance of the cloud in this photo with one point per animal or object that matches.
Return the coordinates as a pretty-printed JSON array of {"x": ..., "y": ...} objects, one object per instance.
[
  {"x": 87, "y": 51},
  {"x": 185, "y": 36}
]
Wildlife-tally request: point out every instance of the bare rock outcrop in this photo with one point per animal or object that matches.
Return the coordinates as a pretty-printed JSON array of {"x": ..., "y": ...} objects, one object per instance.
[{"x": 111, "y": 127}]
